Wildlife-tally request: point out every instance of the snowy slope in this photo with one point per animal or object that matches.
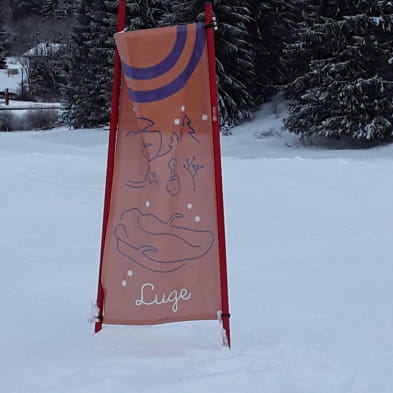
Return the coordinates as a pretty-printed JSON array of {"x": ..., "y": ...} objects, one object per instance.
[{"x": 310, "y": 270}]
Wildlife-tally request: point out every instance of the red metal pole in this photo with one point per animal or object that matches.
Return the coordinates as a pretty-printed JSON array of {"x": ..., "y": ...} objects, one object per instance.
[
  {"x": 210, "y": 23},
  {"x": 121, "y": 20}
]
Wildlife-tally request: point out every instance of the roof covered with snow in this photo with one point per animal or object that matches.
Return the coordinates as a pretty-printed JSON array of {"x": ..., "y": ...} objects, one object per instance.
[{"x": 42, "y": 49}]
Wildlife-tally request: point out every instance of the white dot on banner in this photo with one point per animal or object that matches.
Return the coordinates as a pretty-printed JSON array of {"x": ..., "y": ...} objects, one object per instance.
[
  {"x": 197, "y": 219},
  {"x": 124, "y": 283},
  {"x": 177, "y": 121},
  {"x": 205, "y": 117},
  {"x": 189, "y": 206},
  {"x": 130, "y": 273},
  {"x": 183, "y": 108},
  {"x": 147, "y": 203}
]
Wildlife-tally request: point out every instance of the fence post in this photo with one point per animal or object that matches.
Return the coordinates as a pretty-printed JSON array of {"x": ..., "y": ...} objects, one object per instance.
[{"x": 7, "y": 97}]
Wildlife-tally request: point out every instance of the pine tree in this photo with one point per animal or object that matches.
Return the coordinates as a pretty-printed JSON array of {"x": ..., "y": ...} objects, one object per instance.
[
  {"x": 235, "y": 54},
  {"x": 23, "y": 8},
  {"x": 48, "y": 8},
  {"x": 347, "y": 86},
  {"x": 45, "y": 71},
  {"x": 59, "y": 9},
  {"x": 87, "y": 93},
  {"x": 65, "y": 8},
  {"x": 2, "y": 58},
  {"x": 2, "y": 41},
  {"x": 90, "y": 66},
  {"x": 6, "y": 33},
  {"x": 146, "y": 14},
  {"x": 298, "y": 50},
  {"x": 141, "y": 14},
  {"x": 276, "y": 21}
]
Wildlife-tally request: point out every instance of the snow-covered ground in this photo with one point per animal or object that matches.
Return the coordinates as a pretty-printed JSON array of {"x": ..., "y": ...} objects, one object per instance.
[
  {"x": 309, "y": 258},
  {"x": 23, "y": 105},
  {"x": 11, "y": 77}
]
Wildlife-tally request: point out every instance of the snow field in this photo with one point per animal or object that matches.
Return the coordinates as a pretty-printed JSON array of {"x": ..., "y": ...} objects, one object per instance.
[{"x": 309, "y": 262}]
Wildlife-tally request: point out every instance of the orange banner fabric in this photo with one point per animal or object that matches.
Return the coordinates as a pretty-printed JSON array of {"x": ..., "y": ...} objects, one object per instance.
[{"x": 161, "y": 261}]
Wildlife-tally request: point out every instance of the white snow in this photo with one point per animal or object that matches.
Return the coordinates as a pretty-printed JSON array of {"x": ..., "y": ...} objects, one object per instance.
[
  {"x": 21, "y": 108},
  {"x": 43, "y": 49},
  {"x": 309, "y": 261},
  {"x": 11, "y": 77}
]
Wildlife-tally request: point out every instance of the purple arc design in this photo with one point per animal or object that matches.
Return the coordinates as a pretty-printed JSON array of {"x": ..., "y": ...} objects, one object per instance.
[
  {"x": 146, "y": 73},
  {"x": 145, "y": 96}
]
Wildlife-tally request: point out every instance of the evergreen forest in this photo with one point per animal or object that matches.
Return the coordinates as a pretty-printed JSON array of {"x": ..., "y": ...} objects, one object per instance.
[{"x": 332, "y": 59}]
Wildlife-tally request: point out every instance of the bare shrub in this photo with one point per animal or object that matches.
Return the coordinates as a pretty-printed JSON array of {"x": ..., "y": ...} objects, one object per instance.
[
  {"x": 33, "y": 119},
  {"x": 6, "y": 121},
  {"x": 41, "y": 119}
]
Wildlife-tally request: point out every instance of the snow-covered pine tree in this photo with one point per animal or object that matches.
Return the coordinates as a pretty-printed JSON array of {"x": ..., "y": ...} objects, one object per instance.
[
  {"x": 347, "y": 87},
  {"x": 146, "y": 14},
  {"x": 2, "y": 41},
  {"x": 298, "y": 51},
  {"x": 48, "y": 8},
  {"x": 276, "y": 21},
  {"x": 7, "y": 22},
  {"x": 59, "y": 8},
  {"x": 22, "y": 8},
  {"x": 45, "y": 73},
  {"x": 88, "y": 90},
  {"x": 2, "y": 58},
  {"x": 235, "y": 54},
  {"x": 87, "y": 93},
  {"x": 65, "y": 8}
]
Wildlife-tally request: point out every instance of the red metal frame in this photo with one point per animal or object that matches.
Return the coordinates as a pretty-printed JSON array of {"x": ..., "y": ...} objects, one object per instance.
[
  {"x": 121, "y": 20},
  {"x": 218, "y": 170},
  {"x": 217, "y": 165}
]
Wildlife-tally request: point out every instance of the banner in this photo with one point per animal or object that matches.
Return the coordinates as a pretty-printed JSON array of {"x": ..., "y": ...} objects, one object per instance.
[{"x": 161, "y": 257}]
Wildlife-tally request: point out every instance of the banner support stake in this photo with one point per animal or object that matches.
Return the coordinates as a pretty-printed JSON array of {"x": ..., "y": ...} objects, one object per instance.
[
  {"x": 210, "y": 21},
  {"x": 121, "y": 20}
]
